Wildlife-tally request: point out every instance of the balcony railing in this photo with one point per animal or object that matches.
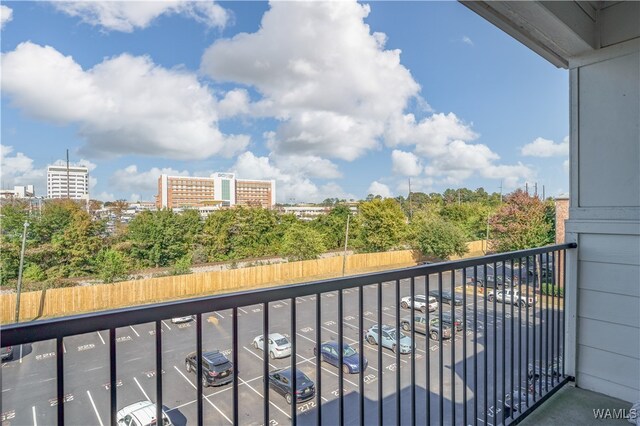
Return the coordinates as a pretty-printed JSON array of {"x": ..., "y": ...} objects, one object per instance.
[{"x": 489, "y": 353}]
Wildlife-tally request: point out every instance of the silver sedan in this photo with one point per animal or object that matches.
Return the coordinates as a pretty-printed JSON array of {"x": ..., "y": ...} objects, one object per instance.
[{"x": 279, "y": 345}]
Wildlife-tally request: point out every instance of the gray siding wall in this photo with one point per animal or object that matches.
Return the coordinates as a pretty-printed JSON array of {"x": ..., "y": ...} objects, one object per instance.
[{"x": 604, "y": 274}]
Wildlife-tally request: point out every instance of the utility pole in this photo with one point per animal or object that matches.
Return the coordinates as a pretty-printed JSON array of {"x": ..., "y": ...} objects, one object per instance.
[
  {"x": 24, "y": 241},
  {"x": 346, "y": 242},
  {"x": 543, "y": 195},
  {"x": 526, "y": 187},
  {"x": 500, "y": 191},
  {"x": 68, "y": 180},
  {"x": 535, "y": 190},
  {"x": 410, "y": 207},
  {"x": 458, "y": 196}
]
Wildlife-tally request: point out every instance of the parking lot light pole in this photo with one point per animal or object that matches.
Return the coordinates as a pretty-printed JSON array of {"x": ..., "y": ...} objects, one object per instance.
[{"x": 24, "y": 241}]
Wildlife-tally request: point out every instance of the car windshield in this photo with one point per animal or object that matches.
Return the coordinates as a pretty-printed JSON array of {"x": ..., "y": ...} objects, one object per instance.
[
  {"x": 348, "y": 351},
  {"x": 281, "y": 342}
]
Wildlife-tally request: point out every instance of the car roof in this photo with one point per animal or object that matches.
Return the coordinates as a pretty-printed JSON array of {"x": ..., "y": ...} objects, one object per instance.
[
  {"x": 143, "y": 411},
  {"x": 214, "y": 356},
  {"x": 276, "y": 336},
  {"x": 286, "y": 372},
  {"x": 334, "y": 344}
]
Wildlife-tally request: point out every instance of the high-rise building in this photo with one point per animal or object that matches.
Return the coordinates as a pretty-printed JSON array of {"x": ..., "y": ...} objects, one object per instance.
[
  {"x": 72, "y": 183},
  {"x": 18, "y": 191},
  {"x": 219, "y": 190}
]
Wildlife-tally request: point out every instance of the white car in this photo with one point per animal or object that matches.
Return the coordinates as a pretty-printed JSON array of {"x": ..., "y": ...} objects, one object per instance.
[
  {"x": 142, "y": 413},
  {"x": 178, "y": 320},
  {"x": 420, "y": 303},
  {"x": 279, "y": 345},
  {"x": 511, "y": 296}
]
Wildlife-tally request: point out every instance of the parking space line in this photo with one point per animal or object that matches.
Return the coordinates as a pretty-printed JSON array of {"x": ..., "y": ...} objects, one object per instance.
[
  {"x": 134, "y": 330},
  {"x": 270, "y": 401},
  {"x": 212, "y": 394},
  {"x": 165, "y": 324},
  {"x": 355, "y": 341},
  {"x": 219, "y": 314},
  {"x": 64, "y": 347},
  {"x": 20, "y": 354},
  {"x": 143, "y": 392},
  {"x": 95, "y": 409},
  {"x": 205, "y": 397},
  {"x": 100, "y": 336},
  {"x": 257, "y": 356},
  {"x": 35, "y": 421},
  {"x": 242, "y": 310}
]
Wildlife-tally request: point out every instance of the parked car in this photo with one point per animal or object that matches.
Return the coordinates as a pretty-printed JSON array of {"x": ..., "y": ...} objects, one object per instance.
[
  {"x": 350, "y": 357},
  {"x": 178, "y": 320},
  {"x": 216, "y": 368},
  {"x": 420, "y": 303},
  {"x": 279, "y": 345},
  {"x": 447, "y": 320},
  {"x": 511, "y": 296},
  {"x": 6, "y": 353},
  {"x": 536, "y": 370},
  {"x": 420, "y": 322},
  {"x": 388, "y": 340},
  {"x": 446, "y": 297},
  {"x": 280, "y": 381},
  {"x": 142, "y": 413}
]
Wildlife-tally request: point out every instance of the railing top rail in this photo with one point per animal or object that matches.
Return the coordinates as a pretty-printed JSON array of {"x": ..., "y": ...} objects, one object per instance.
[{"x": 34, "y": 331}]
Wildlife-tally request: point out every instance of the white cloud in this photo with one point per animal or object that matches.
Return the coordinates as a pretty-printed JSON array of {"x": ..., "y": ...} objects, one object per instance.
[
  {"x": 18, "y": 169},
  {"x": 123, "y": 105},
  {"x": 565, "y": 165},
  {"x": 406, "y": 163},
  {"x": 145, "y": 182},
  {"x": 127, "y": 16},
  {"x": 377, "y": 188},
  {"x": 446, "y": 143},
  {"x": 235, "y": 102},
  {"x": 104, "y": 196},
  {"x": 541, "y": 147},
  {"x": 292, "y": 183},
  {"x": 6, "y": 15},
  {"x": 467, "y": 40},
  {"x": 322, "y": 73},
  {"x": 134, "y": 197}
]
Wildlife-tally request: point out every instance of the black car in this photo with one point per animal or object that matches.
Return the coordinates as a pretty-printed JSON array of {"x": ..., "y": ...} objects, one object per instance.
[
  {"x": 280, "y": 381},
  {"x": 446, "y": 319},
  {"x": 216, "y": 368},
  {"x": 6, "y": 353},
  {"x": 446, "y": 297}
]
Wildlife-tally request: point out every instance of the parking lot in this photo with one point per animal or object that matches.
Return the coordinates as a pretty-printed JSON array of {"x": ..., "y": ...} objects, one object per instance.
[{"x": 29, "y": 384}]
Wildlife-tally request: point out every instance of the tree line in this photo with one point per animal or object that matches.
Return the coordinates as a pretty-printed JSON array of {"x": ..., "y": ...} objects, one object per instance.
[{"x": 64, "y": 241}]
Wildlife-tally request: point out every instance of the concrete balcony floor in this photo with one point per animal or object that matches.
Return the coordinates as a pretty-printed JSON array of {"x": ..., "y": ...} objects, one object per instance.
[{"x": 574, "y": 406}]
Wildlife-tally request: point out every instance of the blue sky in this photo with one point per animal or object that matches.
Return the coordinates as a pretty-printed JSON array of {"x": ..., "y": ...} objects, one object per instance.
[{"x": 329, "y": 99}]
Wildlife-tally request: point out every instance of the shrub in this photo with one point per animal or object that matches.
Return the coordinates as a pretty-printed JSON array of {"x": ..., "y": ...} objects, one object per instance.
[
  {"x": 33, "y": 273},
  {"x": 182, "y": 265},
  {"x": 112, "y": 266}
]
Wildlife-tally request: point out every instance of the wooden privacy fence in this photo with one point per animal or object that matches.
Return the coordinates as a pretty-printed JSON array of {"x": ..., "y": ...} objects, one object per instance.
[{"x": 73, "y": 300}]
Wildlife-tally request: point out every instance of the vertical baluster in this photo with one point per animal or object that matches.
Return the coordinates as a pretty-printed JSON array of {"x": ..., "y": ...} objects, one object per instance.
[
  {"x": 318, "y": 359},
  {"x": 412, "y": 290},
  {"x": 380, "y": 366},
  {"x": 440, "y": 356},
  {"x": 398, "y": 349},
  {"x": 112, "y": 376},
  {"x": 60, "y": 379},
  {"x": 234, "y": 326},
  {"x": 199, "y": 369},
  {"x": 453, "y": 346},
  {"x": 294, "y": 367},
  {"x": 158, "y": 337},
  {"x": 265, "y": 361}
]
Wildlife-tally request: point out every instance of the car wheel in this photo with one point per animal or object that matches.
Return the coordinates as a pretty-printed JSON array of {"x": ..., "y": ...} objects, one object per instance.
[
  {"x": 187, "y": 366},
  {"x": 371, "y": 340},
  {"x": 404, "y": 305},
  {"x": 406, "y": 326},
  {"x": 255, "y": 344},
  {"x": 288, "y": 398},
  {"x": 272, "y": 355},
  {"x": 491, "y": 298},
  {"x": 423, "y": 309},
  {"x": 205, "y": 384},
  {"x": 433, "y": 335},
  {"x": 345, "y": 369}
]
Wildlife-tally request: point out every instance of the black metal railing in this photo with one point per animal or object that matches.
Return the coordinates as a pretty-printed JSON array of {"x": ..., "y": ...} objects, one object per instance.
[{"x": 505, "y": 353}]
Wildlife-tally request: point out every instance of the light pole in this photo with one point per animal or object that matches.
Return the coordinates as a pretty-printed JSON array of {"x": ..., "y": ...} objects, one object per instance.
[{"x": 24, "y": 242}]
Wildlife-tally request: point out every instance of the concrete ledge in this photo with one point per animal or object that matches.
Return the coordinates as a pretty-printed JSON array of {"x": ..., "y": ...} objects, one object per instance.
[{"x": 574, "y": 406}]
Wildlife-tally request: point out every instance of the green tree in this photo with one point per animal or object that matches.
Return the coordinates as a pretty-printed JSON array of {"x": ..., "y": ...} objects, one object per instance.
[
  {"x": 78, "y": 244},
  {"x": 521, "y": 222},
  {"x": 302, "y": 242},
  {"x": 333, "y": 225},
  {"x": 182, "y": 265},
  {"x": 382, "y": 225},
  {"x": 112, "y": 266},
  {"x": 436, "y": 237},
  {"x": 33, "y": 274},
  {"x": 158, "y": 238}
]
